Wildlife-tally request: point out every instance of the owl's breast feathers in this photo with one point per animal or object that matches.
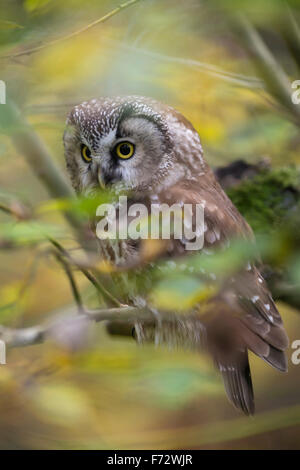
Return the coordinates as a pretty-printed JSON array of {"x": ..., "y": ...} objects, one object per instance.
[{"x": 243, "y": 315}]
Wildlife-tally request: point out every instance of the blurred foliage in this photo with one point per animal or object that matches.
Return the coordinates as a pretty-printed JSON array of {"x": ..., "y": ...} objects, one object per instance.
[
  {"x": 113, "y": 394},
  {"x": 29, "y": 232}
]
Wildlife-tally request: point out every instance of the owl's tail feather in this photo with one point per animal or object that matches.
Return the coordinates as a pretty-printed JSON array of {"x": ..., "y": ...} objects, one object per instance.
[
  {"x": 190, "y": 333},
  {"x": 227, "y": 338},
  {"x": 238, "y": 383}
]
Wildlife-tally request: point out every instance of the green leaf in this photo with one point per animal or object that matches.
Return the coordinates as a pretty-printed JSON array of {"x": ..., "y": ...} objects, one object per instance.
[
  {"x": 180, "y": 293},
  {"x": 81, "y": 206},
  {"x": 30, "y": 232}
]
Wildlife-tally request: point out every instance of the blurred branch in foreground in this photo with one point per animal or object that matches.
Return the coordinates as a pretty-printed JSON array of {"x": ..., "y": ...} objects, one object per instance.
[
  {"x": 71, "y": 35},
  {"x": 37, "y": 334},
  {"x": 71, "y": 330},
  {"x": 29, "y": 144},
  {"x": 275, "y": 78},
  {"x": 211, "y": 69},
  {"x": 291, "y": 33}
]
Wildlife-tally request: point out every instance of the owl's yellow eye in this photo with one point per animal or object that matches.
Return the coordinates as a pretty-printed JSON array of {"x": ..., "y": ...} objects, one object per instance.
[
  {"x": 125, "y": 150},
  {"x": 86, "y": 153}
]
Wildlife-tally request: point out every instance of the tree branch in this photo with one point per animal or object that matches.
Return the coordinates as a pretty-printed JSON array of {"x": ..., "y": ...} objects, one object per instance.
[
  {"x": 87, "y": 274},
  {"x": 211, "y": 69},
  {"x": 22, "y": 336},
  {"x": 275, "y": 78},
  {"x": 73, "y": 285},
  {"x": 20, "y": 212},
  {"x": 37, "y": 334},
  {"x": 74, "y": 34},
  {"x": 29, "y": 144},
  {"x": 188, "y": 332}
]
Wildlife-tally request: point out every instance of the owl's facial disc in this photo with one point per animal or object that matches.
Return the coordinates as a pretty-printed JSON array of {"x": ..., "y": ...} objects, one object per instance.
[
  {"x": 122, "y": 141},
  {"x": 129, "y": 154}
]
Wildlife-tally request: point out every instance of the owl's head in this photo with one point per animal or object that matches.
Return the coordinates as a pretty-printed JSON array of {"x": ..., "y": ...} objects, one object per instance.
[{"x": 134, "y": 142}]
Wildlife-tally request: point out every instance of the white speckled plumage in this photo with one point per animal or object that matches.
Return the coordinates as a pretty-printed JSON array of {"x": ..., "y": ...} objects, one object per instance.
[{"x": 168, "y": 166}]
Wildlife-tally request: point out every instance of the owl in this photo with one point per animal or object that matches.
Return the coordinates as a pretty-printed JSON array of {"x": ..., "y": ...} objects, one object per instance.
[{"x": 153, "y": 151}]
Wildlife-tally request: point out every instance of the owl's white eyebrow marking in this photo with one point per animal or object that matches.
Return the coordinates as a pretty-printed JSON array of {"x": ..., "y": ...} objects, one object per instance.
[{"x": 109, "y": 138}]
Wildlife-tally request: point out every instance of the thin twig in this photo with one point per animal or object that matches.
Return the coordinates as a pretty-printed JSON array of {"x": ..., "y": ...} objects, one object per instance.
[
  {"x": 86, "y": 273},
  {"x": 74, "y": 33},
  {"x": 69, "y": 274},
  {"x": 96, "y": 283},
  {"x": 18, "y": 210},
  {"x": 291, "y": 33},
  {"x": 211, "y": 69},
  {"x": 276, "y": 80},
  {"x": 125, "y": 313},
  {"x": 6, "y": 209}
]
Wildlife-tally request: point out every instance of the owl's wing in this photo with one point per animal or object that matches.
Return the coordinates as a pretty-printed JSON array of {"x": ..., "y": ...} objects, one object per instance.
[{"x": 247, "y": 317}]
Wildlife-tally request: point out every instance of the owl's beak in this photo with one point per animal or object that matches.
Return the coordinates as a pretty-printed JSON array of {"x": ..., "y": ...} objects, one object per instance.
[{"x": 100, "y": 179}]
